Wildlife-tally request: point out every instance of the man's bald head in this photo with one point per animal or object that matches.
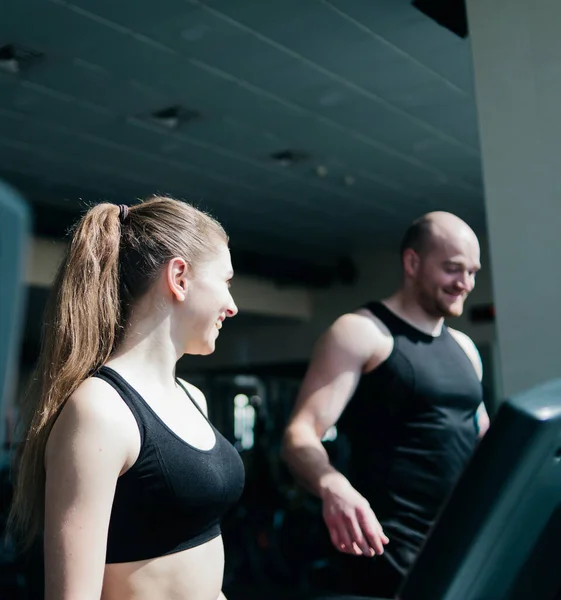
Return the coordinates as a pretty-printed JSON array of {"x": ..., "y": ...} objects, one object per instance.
[
  {"x": 440, "y": 257},
  {"x": 434, "y": 228}
]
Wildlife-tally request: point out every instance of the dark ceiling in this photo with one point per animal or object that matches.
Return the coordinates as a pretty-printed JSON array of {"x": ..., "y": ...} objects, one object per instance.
[{"x": 312, "y": 129}]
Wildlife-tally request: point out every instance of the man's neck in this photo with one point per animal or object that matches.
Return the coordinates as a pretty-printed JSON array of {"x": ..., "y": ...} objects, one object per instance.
[{"x": 409, "y": 310}]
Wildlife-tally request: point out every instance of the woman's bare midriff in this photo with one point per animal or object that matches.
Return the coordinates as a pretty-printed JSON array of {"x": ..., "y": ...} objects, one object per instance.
[{"x": 194, "y": 574}]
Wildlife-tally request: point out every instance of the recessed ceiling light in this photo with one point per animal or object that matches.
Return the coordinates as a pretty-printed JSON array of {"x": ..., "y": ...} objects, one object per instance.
[
  {"x": 174, "y": 116},
  {"x": 287, "y": 158},
  {"x": 14, "y": 59}
]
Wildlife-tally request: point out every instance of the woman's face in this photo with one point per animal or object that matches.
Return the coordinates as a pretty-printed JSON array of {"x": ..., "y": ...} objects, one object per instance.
[{"x": 207, "y": 302}]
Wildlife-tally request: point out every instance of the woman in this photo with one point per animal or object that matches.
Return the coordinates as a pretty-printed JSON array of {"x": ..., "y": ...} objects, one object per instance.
[{"x": 120, "y": 470}]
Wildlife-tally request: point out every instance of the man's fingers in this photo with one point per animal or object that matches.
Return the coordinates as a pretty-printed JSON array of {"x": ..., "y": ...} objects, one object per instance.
[
  {"x": 355, "y": 530},
  {"x": 357, "y": 536},
  {"x": 372, "y": 531},
  {"x": 334, "y": 535},
  {"x": 340, "y": 538}
]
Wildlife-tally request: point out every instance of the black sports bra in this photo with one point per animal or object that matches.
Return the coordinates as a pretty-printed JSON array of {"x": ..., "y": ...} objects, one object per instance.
[{"x": 174, "y": 495}]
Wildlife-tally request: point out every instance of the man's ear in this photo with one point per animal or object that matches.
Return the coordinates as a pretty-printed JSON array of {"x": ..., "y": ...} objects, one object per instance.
[
  {"x": 178, "y": 273},
  {"x": 411, "y": 262}
]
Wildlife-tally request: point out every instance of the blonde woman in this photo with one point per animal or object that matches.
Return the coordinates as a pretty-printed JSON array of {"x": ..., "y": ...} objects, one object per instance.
[{"x": 120, "y": 470}]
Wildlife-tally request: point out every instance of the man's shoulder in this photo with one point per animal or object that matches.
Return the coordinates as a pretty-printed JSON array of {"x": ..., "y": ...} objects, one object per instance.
[
  {"x": 469, "y": 347},
  {"x": 377, "y": 324},
  {"x": 360, "y": 321},
  {"x": 462, "y": 338},
  {"x": 360, "y": 333}
]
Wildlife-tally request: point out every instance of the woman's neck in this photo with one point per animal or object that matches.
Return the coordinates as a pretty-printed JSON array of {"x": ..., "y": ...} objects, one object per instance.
[{"x": 147, "y": 349}]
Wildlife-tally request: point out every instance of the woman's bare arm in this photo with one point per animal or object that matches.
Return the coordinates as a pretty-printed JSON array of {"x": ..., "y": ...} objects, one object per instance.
[{"x": 89, "y": 446}]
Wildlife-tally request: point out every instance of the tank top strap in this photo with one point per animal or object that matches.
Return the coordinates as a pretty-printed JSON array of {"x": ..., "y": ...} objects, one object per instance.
[
  {"x": 197, "y": 405},
  {"x": 397, "y": 326},
  {"x": 129, "y": 396},
  {"x": 381, "y": 312}
]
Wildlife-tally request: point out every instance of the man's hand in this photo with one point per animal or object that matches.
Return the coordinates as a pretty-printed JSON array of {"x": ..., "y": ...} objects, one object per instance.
[{"x": 352, "y": 524}]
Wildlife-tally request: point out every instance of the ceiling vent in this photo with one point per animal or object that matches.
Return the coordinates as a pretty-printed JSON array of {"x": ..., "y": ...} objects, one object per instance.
[
  {"x": 174, "y": 117},
  {"x": 14, "y": 59},
  {"x": 287, "y": 158}
]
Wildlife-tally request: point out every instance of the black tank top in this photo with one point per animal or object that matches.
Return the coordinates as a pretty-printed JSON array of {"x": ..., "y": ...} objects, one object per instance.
[
  {"x": 174, "y": 495},
  {"x": 411, "y": 429}
]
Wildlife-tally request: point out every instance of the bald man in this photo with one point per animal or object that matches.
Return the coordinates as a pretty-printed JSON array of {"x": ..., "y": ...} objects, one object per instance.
[{"x": 406, "y": 389}]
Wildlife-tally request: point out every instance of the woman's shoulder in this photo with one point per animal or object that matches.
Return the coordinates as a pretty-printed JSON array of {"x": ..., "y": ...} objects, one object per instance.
[
  {"x": 96, "y": 400},
  {"x": 95, "y": 411}
]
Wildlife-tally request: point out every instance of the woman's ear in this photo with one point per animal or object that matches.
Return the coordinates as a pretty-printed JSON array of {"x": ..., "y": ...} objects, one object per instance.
[{"x": 177, "y": 278}]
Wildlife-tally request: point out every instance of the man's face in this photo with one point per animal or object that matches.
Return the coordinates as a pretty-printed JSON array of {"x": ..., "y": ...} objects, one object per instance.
[{"x": 446, "y": 275}]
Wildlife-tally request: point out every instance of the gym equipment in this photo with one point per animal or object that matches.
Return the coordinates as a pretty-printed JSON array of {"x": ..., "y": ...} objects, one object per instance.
[
  {"x": 498, "y": 536},
  {"x": 14, "y": 238}
]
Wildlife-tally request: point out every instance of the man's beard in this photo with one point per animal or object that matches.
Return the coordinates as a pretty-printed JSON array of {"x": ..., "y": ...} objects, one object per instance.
[{"x": 431, "y": 304}]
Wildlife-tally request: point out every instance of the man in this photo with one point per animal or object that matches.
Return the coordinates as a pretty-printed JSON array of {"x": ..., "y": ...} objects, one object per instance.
[{"x": 409, "y": 392}]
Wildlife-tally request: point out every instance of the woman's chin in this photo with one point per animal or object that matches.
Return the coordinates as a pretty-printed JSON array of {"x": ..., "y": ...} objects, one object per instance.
[
  {"x": 204, "y": 347},
  {"x": 201, "y": 349},
  {"x": 210, "y": 342},
  {"x": 209, "y": 349}
]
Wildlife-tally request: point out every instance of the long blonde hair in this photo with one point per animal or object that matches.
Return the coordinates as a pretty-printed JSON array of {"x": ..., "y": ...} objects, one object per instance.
[{"x": 110, "y": 263}]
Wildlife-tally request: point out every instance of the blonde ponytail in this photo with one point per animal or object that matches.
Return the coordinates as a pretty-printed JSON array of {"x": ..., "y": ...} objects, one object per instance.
[{"x": 79, "y": 333}]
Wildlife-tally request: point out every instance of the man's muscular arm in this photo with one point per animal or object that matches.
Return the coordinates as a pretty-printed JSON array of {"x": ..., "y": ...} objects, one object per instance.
[
  {"x": 329, "y": 383},
  {"x": 332, "y": 377}
]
